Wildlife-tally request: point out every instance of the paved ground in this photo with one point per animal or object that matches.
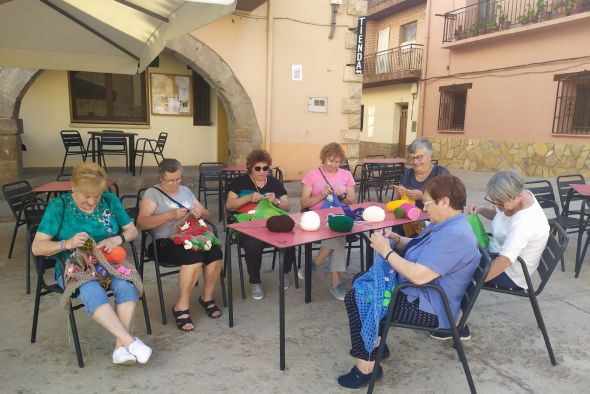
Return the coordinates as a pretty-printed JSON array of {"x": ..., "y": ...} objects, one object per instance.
[{"x": 506, "y": 353}]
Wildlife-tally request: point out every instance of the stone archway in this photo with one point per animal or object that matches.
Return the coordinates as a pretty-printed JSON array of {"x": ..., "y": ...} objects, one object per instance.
[{"x": 243, "y": 129}]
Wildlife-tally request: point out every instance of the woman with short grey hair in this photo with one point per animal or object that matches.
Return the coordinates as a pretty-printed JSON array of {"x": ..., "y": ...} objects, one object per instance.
[
  {"x": 420, "y": 143},
  {"x": 519, "y": 228}
]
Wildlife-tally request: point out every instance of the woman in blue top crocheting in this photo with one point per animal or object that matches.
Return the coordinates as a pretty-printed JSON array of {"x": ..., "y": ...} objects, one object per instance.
[
  {"x": 445, "y": 253},
  {"x": 68, "y": 223}
]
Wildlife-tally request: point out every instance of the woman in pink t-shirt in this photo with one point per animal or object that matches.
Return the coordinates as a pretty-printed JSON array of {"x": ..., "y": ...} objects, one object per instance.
[{"x": 318, "y": 184}]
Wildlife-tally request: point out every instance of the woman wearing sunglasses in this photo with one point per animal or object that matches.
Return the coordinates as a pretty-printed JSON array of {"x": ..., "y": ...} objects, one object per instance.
[
  {"x": 422, "y": 171},
  {"x": 244, "y": 193},
  {"x": 519, "y": 228}
]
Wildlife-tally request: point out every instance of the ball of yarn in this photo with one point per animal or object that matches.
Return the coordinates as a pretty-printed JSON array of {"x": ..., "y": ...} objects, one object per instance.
[
  {"x": 116, "y": 256},
  {"x": 399, "y": 213},
  {"x": 310, "y": 221},
  {"x": 340, "y": 223},
  {"x": 411, "y": 212},
  {"x": 392, "y": 205},
  {"x": 374, "y": 214},
  {"x": 280, "y": 224}
]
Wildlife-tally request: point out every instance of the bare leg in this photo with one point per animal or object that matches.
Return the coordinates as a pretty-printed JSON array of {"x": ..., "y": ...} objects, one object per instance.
[
  {"x": 107, "y": 318},
  {"x": 322, "y": 255},
  {"x": 364, "y": 366},
  {"x": 334, "y": 278},
  {"x": 211, "y": 274},
  {"x": 125, "y": 312},
  {"x": 189, "y": 274}
]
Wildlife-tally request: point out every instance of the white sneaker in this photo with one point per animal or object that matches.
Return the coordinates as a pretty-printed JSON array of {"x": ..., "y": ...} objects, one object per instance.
[
  {"x": 140, "y": 350},
  {"x": 301, "y": 271},
  {"x": 286, "y": 281},
  {"x": 257, "y": 292},
  {"x": 122, "y": 356}
]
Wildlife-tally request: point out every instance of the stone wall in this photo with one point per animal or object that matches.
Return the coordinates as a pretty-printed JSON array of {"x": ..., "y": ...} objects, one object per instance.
[
  {"x": 530, "y": 158},
  {"x": 367, "y": 148}
]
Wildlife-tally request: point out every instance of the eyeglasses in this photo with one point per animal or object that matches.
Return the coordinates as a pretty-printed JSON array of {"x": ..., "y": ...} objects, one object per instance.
[
  {"x": 177, "y": 180},
  {"x": 497, "y": 204},
  {"x": 258, "y": 168},
  {"x": 429, "y": 202},
  {"x": 412, "y": 159}
]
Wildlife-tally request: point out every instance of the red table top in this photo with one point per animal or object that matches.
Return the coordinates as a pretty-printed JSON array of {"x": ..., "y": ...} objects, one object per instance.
[
  {"x": 258, "y": 230},
  {"x": 382, "y": 160},
  {"x": 63, "y": 186},
  {"x": 584, "y": 190}
]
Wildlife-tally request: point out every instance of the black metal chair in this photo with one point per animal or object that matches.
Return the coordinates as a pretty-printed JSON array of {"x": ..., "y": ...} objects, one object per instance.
[
  {"x": 567, "y": 196},
  {"x": 471, "y": 293},
  {"x": 209, "y": 174},
  {"x": 44, "y": 264},
  {"x": 556, "y": 245},
  {"x": 17, "y": 195},
  {"x": 33, "y": 213},
  {"x": 112, "y": 144},
  {"x": 151, "y": 146},
  {"x": 382, "y": 178},
  {"x": 148, "y": 254},
  {"x": 74, "y": 146}
]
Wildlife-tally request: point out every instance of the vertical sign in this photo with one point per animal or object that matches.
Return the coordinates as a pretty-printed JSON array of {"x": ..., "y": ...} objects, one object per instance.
[
  {"x": 360, "y": 45},
  {"x": 297, "y": 72}
]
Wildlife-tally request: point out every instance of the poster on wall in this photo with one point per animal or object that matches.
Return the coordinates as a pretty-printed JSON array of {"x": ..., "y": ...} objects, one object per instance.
[{"x": 171, "y": 94}]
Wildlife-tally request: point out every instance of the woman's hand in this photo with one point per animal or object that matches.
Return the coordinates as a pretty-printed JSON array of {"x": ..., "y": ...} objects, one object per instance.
[
  {"x": 256, "y": 197},
  {"x": 197, "y": 212},
  {"x": 414, "y": 194},
  {"x": 270, "y": 197},
  {"x": 178, "y": 213},
  {"x": 76, "y": 241},
  {"x": 400, "y": 190},
  {"x": 380, "y": 244},
  {"x": 326, "y": 192},
  {"x": 108, "y": 244}
]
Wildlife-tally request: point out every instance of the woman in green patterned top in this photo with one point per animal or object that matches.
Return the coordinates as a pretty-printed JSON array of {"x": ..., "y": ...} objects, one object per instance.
[{"x": 69, "y": 221}]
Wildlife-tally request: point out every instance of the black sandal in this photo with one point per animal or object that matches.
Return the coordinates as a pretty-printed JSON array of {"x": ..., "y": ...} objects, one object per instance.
[
  {"x": 210, "y": 308},
  {"x": 181, "y": 322}
]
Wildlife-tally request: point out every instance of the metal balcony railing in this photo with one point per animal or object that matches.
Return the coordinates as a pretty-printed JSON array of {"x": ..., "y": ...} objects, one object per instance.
[
  {"x": 375, "y": 3},
  {"x": 490, "y": 16},
  {"x": 394, "y": 60}
]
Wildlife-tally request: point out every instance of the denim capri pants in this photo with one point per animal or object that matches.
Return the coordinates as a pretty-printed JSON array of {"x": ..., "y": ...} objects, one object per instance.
[{"x": 93, "y": 295}]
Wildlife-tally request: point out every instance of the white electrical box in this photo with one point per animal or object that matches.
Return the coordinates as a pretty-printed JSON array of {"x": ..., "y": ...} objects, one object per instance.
[
  {"x": 318, "y": 104},
  {"x": 335, "y": 1}
]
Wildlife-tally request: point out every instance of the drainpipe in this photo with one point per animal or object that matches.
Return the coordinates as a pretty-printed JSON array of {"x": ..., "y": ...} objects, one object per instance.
[
  {"x": 269, "y": 71},
  {"x": 420, "y": 132}
]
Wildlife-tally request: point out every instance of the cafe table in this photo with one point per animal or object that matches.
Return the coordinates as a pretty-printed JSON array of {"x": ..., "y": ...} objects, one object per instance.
[
  {"x": 584, "y": 191},
  {"x": 257, "y": 229},
  {"x": 125, "y": 134}
]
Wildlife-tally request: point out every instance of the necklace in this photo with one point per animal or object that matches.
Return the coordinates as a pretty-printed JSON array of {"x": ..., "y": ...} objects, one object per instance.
[{"x": 256, "y": 185}]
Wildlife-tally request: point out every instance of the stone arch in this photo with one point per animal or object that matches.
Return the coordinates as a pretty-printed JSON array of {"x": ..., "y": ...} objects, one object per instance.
[{"x": 243, "y": 129}]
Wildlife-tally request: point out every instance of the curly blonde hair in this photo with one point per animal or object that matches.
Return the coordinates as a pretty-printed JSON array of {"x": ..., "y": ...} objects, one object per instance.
[{"x": 88, "y": 178}]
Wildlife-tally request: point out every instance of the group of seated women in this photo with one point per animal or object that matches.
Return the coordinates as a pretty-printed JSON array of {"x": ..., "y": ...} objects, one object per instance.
[{"x": 445, "y": 252}]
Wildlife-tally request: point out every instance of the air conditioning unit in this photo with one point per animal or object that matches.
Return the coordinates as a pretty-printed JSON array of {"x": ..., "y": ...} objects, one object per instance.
[{"x": 317, "y": 104}]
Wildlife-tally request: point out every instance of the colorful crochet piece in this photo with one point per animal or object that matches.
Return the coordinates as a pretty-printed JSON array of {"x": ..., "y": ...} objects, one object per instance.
[{"x": 193, "y": 234}]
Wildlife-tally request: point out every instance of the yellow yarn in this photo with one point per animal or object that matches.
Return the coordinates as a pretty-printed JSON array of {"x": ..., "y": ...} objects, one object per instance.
[{"x": 392, "y": 205}]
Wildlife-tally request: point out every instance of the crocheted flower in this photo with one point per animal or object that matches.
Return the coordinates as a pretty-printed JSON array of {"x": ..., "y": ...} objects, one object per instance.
[{"x": 181, "y": 239}]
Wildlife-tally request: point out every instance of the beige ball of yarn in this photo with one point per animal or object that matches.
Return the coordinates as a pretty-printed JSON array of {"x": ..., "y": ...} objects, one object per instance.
[
  {"x": 374, "y": 214},
  {"x": 310, "y": 221}
]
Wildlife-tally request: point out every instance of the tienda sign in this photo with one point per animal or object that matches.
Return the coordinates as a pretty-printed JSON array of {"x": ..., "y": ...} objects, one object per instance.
[{"x": 360, "y": 45}]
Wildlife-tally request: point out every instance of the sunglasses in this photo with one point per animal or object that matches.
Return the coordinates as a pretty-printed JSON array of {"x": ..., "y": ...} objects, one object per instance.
[
  {"x": 258, "y": 168},
  {"x": 497, "y": 204}
]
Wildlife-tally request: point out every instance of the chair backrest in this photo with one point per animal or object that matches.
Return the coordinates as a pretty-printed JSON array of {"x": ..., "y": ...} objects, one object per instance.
[
  {"x": 226, "y": 178},
  {"x": 132, "y": 209},
  {"x": 392, "y": 174},
  {"x": 42, "y": 264},
  {"x": 71, "y": 138},
  {"x": 563, "y": 187},
  {"x": 111, "y": 138},
  {"x": 210, "y": 171},
  {"x": 434, "y": 162},
  {"x": 17, "y": 195},
  {"x": 33, "y": 212},
  {"x": 277, "y": 173},
  {"x": 161, "y": 141},
  {"x": 543, "y": 192},
  {"x": 345, "y": 165},
  {"x": 554, "y": 250},
  {"x": 474, "y": 286}
]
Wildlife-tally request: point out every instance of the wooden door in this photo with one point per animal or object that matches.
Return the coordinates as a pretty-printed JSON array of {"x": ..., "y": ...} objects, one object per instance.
[
  {"x": 222, "y": 136},
  {"x": 403, "y": 122}
]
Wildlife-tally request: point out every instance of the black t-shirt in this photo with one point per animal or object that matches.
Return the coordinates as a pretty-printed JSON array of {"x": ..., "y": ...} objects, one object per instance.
[{"x": 244, "y": 186}]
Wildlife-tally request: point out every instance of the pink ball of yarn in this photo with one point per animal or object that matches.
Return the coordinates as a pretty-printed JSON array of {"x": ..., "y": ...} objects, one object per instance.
[{"x": 411, "y": 211}]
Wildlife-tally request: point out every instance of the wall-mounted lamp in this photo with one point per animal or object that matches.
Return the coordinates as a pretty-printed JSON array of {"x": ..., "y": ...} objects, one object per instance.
[{"x": 335, "y": 4}]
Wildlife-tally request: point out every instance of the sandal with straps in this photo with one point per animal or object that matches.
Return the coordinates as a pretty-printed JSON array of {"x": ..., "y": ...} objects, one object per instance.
[
  {"x": 182, "y": 322},
  {"x": 210, "y": 307}
]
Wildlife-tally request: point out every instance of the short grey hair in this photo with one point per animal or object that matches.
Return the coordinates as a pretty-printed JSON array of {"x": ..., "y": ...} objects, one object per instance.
[
  {"x": 169, "y": 165},
  {"x": 420, "y": 143},
  {"x": 505, "y": 185}
]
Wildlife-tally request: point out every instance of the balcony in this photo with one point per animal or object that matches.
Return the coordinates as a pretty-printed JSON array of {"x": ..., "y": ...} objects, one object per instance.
[
  {"x": 394, "y": 65},
  {"x": 491, "y": 16},
  {"x": 378, "y": 9},
  {"x": 249, "y": 5}
]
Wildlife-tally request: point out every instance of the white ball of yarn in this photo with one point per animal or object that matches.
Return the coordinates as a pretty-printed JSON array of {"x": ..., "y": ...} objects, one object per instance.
[
  {"x": 374, "y": 214},
  {"x": 310, "y": 221}
]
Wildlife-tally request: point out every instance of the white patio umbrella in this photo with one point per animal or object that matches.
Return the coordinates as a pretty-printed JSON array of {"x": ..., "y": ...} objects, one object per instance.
[{"x": 113, "y": 36}]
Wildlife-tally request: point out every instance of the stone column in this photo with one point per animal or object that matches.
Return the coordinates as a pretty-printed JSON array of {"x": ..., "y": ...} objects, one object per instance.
[{"x": 10, "y": 149}]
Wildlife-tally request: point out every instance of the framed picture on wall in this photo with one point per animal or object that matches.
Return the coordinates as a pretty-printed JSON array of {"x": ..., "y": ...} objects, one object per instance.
[{"x": 171, "y": 94}]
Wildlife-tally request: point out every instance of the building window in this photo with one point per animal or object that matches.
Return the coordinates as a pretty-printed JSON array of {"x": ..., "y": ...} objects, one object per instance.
[
  {"x": 362, "y": 116},
  {"x": 451, "y": 110},
  {"x": 572, "y": 104},
  {"x": 408, "y": 33},
  {"x": 202, "y": 101},
  {"x": 108, "y": 98}
]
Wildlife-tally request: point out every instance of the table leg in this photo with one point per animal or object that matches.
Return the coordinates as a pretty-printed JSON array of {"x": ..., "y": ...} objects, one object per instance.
[
  {"x": 228, "y": 272},
  {"x": 93, "y": 139},
  {"x": 282, "y": 307},
  {"x": 308, "y": 263},
  {"x": 580, "y": 236},
  {"x": 368, "y": 252},
  {"x": 132, "y": 154}
]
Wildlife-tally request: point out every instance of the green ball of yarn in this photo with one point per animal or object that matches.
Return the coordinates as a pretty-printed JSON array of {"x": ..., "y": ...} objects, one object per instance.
[
  {"x": 340, "y": 223},
  {"x": 399, "y": 213}
]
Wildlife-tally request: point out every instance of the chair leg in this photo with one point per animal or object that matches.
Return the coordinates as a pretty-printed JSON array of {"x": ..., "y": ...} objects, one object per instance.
[
  {"x": 541, "y": 325},
  {"x": 463, "y": 358},
  {"x": 76, "y": 339},
  {"x": 13, "y": 239},
  {"x": 241, "y": 271},
  {"x": 582, "y": 256},
  {"x": 64, "y": 164},
  {"x": 386, "y": 326},
  {"x": 295, "y": 275},
  {"x": 362, "y": 255},
  {"x": 141, "y": 165},
  {"x": 28, "y": 263},
  {"x": 223, "y": 292},
  {"x": 160, "y": 293},
  {"x": 146, "y": 315},
  {"x": 36, "y": 310}
]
